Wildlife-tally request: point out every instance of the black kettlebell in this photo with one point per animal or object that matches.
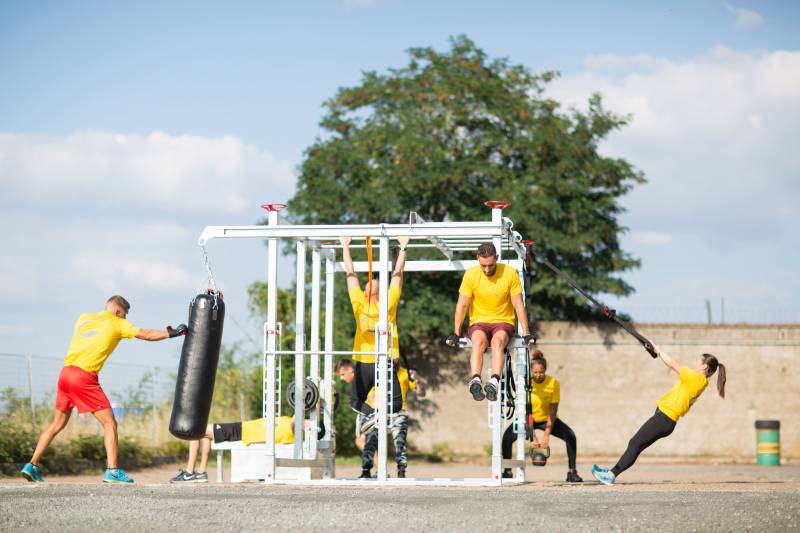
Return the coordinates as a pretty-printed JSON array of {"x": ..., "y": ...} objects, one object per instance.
[{"x": 539, "y": 456}]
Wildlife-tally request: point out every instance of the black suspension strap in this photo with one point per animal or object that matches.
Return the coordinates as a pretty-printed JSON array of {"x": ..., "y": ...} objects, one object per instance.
[{"x": 611, "y": 314}]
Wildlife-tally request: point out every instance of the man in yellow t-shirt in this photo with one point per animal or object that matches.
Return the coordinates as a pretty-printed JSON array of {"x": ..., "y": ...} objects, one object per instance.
[
  {"x": 365, "y": 312},
  {"x": 248, "y": 431},
  {"x": 493, "y": 294},
  {"x": 398, "y": 424},
  {"x": 94, "y": 338}
]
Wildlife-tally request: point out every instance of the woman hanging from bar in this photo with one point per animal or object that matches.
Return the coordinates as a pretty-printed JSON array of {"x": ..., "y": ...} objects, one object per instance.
[{"x": 365, "y": 310}]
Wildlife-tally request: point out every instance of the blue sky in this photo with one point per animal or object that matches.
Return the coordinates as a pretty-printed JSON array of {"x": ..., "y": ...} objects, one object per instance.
[{"x": 125, "y": 128}]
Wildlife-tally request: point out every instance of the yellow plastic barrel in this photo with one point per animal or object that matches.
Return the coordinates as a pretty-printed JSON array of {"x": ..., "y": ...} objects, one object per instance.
[{"x": 768, "y": 442}]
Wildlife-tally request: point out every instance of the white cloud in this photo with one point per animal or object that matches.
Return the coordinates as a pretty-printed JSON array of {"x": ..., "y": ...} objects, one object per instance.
[
  {"x": 90, "y": 172},
  {"x": 111, "y": 273},
  {"x": 745, "y": 18},
  {"x": 7, "y": 330},
  {"x": 715, "y": 135},
  {"x": 651, "y": 238}
]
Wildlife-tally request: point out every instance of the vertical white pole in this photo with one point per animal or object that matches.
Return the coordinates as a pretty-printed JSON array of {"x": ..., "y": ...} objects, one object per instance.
[
  {"x": 383, "y": 350},
  {"x": 497, "y": 419},
  {"x": 330, "y": 269},
  {"x": 314, "y": 367},
  {"x": 299, "y": 345},
  {"x": 270, "y": 338},
  {"x": 521, "y": 368}
]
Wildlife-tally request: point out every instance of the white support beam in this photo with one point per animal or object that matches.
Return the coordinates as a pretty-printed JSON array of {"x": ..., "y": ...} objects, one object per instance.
[
  {"x": 414, "y": 218},
  {"x": 270, "y": 342},
  {"x": 314, "y": 364},
  {"x": 333, "y": 232},
  {"x": 430, "y": 266},
  {"x": 299, "y": 344},
  {"x": 382, "y": 330}
]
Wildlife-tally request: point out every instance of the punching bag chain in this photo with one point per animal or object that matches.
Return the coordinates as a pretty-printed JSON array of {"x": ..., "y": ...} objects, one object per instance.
[{"x": 211, "y": 284}]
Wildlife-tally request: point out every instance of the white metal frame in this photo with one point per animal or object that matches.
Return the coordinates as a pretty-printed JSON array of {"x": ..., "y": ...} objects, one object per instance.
[{"x": 447, "y": 237}]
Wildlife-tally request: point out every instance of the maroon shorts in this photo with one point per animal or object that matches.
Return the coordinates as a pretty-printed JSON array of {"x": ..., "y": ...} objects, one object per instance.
[
  {"x": 491, "y": 329},
  {"x": 81, "y": 389}
]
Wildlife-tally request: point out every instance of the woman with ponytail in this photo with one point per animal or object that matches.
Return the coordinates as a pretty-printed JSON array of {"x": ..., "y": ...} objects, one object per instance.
[{"x": 673, "y": 405}]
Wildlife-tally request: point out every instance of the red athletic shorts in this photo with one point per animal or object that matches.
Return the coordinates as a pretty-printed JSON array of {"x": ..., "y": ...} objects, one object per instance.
[
  {"x": 81, "y": 389},
  {"x": 491, "y": 329}
]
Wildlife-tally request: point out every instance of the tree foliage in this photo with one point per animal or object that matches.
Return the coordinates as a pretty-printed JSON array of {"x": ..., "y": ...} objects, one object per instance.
[{"x": 452, "y": 129}]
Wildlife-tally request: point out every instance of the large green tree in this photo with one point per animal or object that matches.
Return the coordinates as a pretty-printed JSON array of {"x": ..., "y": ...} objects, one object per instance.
[{"x": 450, "y": 130}]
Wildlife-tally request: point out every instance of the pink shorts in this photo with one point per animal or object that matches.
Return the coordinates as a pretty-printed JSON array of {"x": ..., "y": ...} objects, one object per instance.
[{"x": 490, "y": 329}]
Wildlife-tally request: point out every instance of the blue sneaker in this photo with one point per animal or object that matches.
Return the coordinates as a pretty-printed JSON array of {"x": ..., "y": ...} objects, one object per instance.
[
  {"x": 116, "y": 475},
  {"x": 31, "y": 472},
  {"x": 603, "y": 475}
]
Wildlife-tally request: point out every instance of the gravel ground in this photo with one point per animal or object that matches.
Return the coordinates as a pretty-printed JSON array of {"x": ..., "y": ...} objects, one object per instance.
[{"x": 655, "y": 497}]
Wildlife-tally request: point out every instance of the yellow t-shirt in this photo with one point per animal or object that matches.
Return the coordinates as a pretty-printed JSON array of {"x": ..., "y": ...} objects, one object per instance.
[
  {"x": 254, "y": 431},
  {"x": 405, "y": 385},
  {"x": 491, "y": 296},
  {"x": 542, "y": 395},
  {"x": 683, "y": 394},
  {"x": 94, "y": 338},
  {"x": 366, "y": 316}
]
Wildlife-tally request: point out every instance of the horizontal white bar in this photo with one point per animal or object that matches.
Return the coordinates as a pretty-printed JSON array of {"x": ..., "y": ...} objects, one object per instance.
[
  {"x": 372, "y": 482},
  {"x": 427, "y": 266},
  {"x": 437, "y": 229}
]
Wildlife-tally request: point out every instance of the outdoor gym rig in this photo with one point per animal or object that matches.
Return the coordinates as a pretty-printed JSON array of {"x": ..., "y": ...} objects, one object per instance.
[{"x": 310, "y": 454}]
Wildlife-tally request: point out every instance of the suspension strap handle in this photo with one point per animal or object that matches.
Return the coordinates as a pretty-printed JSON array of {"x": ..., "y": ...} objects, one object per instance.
[{"x": 611, "y": 314}]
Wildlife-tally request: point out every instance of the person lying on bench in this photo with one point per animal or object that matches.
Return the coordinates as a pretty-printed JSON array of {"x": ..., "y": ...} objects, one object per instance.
[{"x": 248, "y": 432}]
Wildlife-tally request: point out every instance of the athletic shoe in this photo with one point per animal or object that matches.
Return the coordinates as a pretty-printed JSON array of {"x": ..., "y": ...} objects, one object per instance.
[
  {"x": 573, "y": 477},
  {"x": 200, "y": 477},
  {"x": 116, "y": 475},
  {"x": 491, "y": 391},
  {"x": 365, "y": 474},
  {"x": 603, "y": 475},
  {"x": 476, "y": 390},
  {"x": 401, "y": 471},
  {"x": 507, "y": 474},
  {"x": 182, "y": 476},
  {"x": 367, "y": 423},
  {"x": 31, "y": 472}
]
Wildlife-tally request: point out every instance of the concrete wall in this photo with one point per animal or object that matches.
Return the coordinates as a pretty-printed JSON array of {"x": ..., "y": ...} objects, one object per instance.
[{"x": 609, "y": 386}]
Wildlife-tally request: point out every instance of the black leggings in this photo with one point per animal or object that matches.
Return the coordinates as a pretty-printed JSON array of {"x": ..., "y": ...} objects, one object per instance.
[
  {"x": 560, "y": 430},
  {"x": 657, "y": 427},
  {"x": 363, "y": 382}
]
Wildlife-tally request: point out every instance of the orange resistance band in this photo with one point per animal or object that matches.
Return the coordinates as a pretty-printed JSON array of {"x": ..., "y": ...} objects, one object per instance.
[{"x": 369, "y": 279}]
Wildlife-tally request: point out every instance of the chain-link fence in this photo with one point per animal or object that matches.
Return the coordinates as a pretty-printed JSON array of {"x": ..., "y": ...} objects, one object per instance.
[{"x": 140, "y": 395}]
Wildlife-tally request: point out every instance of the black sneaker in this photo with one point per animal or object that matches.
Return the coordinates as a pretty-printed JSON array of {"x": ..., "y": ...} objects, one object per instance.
[
  {"x": 365, "y": 474},
  {"x": 401, "y": 471},
  {"x": 573, "y": 477},
  {"x": 476, "y": 390},
  {"x": 183, "y": 476},
  {"x": 491, "y": 391},
  {"x": 507, "y": 474},
  {"x": 200, "y": 477}
]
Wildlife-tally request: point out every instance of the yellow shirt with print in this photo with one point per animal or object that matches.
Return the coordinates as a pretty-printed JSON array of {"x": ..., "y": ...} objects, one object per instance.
[
  {"x": 542, "y": 395},
  {"x": 491, "y": 295},
  {"x": 95, "y": 336},
  {"x": 405, "y": 385},
  {"x": 366, "y": 315},
  {"x": 683, "y": 394},
  {"x": 254, "y": 431}
]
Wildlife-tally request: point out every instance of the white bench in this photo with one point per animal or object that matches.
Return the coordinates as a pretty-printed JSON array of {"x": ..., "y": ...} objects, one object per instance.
[{"x": 248, "y": 463}]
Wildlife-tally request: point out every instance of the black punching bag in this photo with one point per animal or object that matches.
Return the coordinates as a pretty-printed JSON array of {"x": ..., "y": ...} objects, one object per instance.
[{"x": 198, "y": 368}]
